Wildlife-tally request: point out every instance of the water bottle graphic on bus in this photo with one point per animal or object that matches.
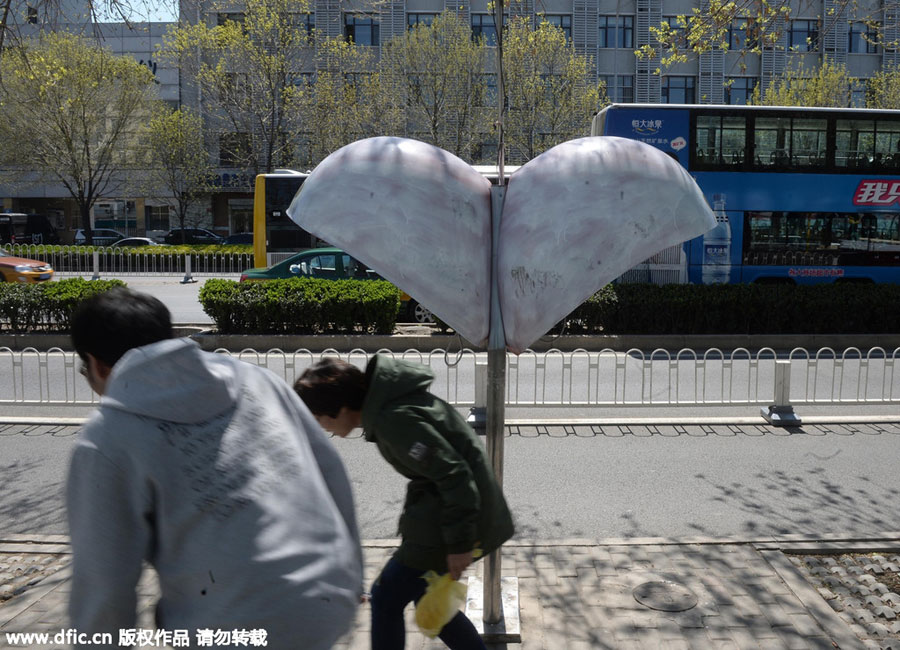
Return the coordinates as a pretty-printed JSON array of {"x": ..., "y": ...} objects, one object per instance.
[{"x": 717, "y": 246}]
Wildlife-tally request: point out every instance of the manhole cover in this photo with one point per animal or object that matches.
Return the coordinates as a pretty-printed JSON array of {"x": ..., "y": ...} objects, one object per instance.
[{"x": 665, "y": 596}]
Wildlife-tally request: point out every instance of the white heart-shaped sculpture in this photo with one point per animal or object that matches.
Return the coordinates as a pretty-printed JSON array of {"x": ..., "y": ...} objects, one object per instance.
[
  {"x": 416, "y": 214},
  {"x": 581, "y": 214},
  {"x": 574, "y": 218}
]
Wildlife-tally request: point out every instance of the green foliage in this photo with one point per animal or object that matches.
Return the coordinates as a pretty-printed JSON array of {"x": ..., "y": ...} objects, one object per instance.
[
  {"x": 250, "y": 73},
  {"x": 548, "y": 88},
  {"x": 301, "y": 306},
  {"x": 433, "y": 77},
  {"x": 48, "y": 306},
  {"x": 883, "y": 89},
  {"x": 147, "y": 259},
  {"x": 73, "y": 110},
  {"x": 180, "y": 161},
  {"x": 827, "y": 86}
]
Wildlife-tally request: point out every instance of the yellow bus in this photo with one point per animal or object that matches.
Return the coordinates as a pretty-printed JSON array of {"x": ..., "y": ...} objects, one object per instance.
[{"x": 275, "y": 236}]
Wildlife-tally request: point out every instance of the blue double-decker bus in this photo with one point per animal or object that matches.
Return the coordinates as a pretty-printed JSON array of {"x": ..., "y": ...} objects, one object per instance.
[{"x": 801, "y": 195}]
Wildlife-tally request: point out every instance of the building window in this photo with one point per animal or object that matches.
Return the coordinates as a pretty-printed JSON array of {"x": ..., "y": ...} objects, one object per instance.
[
  {"x": 858, "y": 94},
  {"x": 803, "y": 36},
  {"x": 362, "y": 29},
  {"x": 742, "y": 34},
  {"x": 425, "y": 20},
  {"x": 489, "y": 83},
  {"x": 305, "y": 20},
  {"x": 234, "y": 149},
  {"x": 485, "y": 152},
  {"x": 863, "y": 38},
  {"x": 739, "y": 90},
  {"x": 678, "y": 90},
  {"x": 619, "y": 88},
  {"x": 562, "y": 21},
  {"x": 157, "y": 217},
  {"x": 617, "y": 31},
  {"x": 305, "y": 80},
  {"x": 677, "y": 29},
  {"x": 233, "y": 16},
  {"x": 483, "y": 25}
]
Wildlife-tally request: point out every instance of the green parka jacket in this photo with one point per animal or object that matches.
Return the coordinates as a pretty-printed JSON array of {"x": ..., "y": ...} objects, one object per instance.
[{"x": 453, "y": 502}]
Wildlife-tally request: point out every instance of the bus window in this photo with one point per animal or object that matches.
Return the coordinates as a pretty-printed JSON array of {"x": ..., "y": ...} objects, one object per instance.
[
  {"x": 808, "y": 142},
  {"x": 770, "y": 141},
  {"x": 854, "y": 141},
  {"x": 720, "y": 140}
]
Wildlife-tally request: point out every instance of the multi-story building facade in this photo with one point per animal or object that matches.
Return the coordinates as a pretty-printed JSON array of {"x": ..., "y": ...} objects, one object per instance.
[
  {"x": 133, "y": 208},
  {"x": 608, "y": 31}
]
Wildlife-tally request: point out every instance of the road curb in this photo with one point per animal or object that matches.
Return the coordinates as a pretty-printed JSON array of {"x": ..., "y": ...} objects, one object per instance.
[
  {"x": 888, "y": 541},
  {"x": 539, "y": 422}
]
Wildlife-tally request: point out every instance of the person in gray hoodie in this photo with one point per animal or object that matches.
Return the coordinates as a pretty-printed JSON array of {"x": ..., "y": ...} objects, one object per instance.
[{"x": 213, "y": 471}]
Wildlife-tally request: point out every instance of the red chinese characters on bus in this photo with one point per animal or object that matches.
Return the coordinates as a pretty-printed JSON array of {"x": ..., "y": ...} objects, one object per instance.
[{"x": 877, "y": 192}]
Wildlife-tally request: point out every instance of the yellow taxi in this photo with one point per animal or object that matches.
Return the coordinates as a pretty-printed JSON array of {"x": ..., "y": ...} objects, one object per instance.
[{"x": 22, "y": 269}]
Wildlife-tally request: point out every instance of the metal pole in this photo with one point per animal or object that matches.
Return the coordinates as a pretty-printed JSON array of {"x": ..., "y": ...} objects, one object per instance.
[
  {"x": 496, "y": 371},
  {"x": 496, "y": 403}
]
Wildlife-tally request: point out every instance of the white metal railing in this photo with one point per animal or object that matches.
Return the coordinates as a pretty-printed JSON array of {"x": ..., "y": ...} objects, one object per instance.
[
  {"x": 554, "y": 378},
  {"x": 114, "y": 261}
]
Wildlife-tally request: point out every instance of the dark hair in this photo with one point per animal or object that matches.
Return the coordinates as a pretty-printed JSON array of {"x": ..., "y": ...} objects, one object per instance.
[
  {"x": 109, "y": 324},
  {"x": 330, "y": 385}
]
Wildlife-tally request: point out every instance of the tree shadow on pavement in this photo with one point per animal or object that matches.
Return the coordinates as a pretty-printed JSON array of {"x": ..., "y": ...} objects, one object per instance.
[
  {"x": 28, "y": 506},
  {"x": 809, "y": 501}
]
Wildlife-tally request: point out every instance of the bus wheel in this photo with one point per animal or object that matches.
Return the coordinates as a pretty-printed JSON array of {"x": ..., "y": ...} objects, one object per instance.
[{"x": 418, "y": 314}]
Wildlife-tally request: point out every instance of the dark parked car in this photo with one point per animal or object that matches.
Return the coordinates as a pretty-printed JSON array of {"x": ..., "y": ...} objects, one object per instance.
[
  {"x": 192, "y": 236},
  {"x": 240, "y": 238}
]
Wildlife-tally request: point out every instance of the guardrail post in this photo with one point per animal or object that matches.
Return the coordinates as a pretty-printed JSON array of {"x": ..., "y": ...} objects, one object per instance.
[
  {"x": 478, "y": 414},
  {"x": 96, "y": 256},
  {"x": 781, "y": 413},
  {"x": 187, "y": 270}
]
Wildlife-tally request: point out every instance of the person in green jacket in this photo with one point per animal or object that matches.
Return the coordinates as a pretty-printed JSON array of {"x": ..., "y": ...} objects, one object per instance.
[{"x": 454, "y": 512}]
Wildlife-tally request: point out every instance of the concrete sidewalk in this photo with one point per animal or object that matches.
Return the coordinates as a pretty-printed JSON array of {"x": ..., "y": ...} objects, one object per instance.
[{"x": 785, "y": 592}]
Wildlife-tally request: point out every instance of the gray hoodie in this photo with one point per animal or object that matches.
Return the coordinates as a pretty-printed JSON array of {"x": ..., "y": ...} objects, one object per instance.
[{"x": 215, "y": 472}]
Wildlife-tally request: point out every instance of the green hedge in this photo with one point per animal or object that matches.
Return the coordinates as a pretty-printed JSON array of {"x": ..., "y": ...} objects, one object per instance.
[
  {"x": 747, "y": 309},
  {"x": 46, "y": 307},
  {"x": 301, "y": 306}
]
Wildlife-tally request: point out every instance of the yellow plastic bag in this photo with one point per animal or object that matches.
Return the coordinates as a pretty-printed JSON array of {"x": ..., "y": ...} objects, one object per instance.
[{"x": 440, "y": 603}]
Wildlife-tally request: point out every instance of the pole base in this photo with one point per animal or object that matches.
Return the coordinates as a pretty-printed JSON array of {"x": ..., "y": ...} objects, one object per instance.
[
  {"x": 780, "y": 416},
  {"x": 507, "y": 629},
  {"x": 188, "y": 281}
]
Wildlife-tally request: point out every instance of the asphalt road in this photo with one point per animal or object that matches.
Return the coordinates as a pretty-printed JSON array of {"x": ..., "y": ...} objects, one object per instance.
[{"x": 718, "y": 481}]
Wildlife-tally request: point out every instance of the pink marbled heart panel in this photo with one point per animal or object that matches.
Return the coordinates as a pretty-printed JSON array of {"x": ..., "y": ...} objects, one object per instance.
[
  {"x": 415, "y": 213},
  {"x": 581, "y": 214}
]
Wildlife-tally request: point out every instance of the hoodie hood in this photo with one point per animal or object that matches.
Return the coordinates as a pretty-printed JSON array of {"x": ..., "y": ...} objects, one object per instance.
[
  {"x": 172, "y": 380},
  {"x": 388, "y": 380}
]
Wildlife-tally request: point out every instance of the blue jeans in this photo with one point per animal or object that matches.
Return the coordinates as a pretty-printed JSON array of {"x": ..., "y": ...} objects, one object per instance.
[{"x": 395, "y": 588}]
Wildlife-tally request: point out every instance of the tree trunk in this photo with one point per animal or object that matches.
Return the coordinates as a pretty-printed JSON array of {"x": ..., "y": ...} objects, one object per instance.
[{"x": 85, "y": 208}]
